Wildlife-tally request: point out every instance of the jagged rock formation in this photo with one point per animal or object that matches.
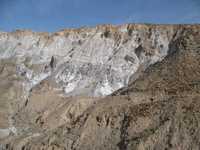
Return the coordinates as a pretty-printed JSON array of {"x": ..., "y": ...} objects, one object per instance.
[
  {"x": 75, "y": 57},
  {"x": 158, "y": 109}
]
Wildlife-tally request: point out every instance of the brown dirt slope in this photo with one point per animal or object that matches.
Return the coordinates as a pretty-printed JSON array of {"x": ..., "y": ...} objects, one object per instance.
[
  {"x": 9, "y": 89},
  {"x": 160, "y": 110}
]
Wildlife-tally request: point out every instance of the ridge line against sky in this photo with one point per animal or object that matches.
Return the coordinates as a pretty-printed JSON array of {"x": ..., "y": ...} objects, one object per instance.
[{"x": 55, "y": 15}]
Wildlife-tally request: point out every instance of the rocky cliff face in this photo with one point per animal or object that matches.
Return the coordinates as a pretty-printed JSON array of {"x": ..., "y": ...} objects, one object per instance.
[
  {"x": 105, "y": 55},
  {"x": 51, "y": 86}
]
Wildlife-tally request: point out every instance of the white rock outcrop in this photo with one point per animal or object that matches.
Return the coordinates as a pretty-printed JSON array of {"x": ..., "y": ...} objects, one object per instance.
[{"x": 105, "y": 56}]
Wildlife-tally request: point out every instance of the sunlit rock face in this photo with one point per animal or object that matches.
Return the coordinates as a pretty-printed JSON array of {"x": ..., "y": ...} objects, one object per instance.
[
  {"x": 86, "y": 61},
  {"x": 51, "y": 87}
]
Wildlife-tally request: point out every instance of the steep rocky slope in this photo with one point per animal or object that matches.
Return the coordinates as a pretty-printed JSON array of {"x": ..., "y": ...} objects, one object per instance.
[
  {"x": 159, "y": 108},
  {"x": 105, "y": 55}
]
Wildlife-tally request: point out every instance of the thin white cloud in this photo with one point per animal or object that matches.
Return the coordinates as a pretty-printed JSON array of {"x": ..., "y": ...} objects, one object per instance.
[
  {"x": 45, "y": 6},
  {"x": 187, "y": 18},
  {"x": 5, "y": 11},
  {"x": 12, "y": 10},
  {"x": 82, "y": 3}
]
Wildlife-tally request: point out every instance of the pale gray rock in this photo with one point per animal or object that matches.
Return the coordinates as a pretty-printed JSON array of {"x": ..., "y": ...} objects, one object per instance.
[{"x": 74, "y": 61}]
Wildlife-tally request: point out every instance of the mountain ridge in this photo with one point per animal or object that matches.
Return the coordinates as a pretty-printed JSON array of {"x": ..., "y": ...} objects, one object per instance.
[{"x": 163, "y": 83}]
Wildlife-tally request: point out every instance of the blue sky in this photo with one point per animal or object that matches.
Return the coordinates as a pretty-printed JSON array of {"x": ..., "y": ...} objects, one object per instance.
[{"x": 55, "y": 15}]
